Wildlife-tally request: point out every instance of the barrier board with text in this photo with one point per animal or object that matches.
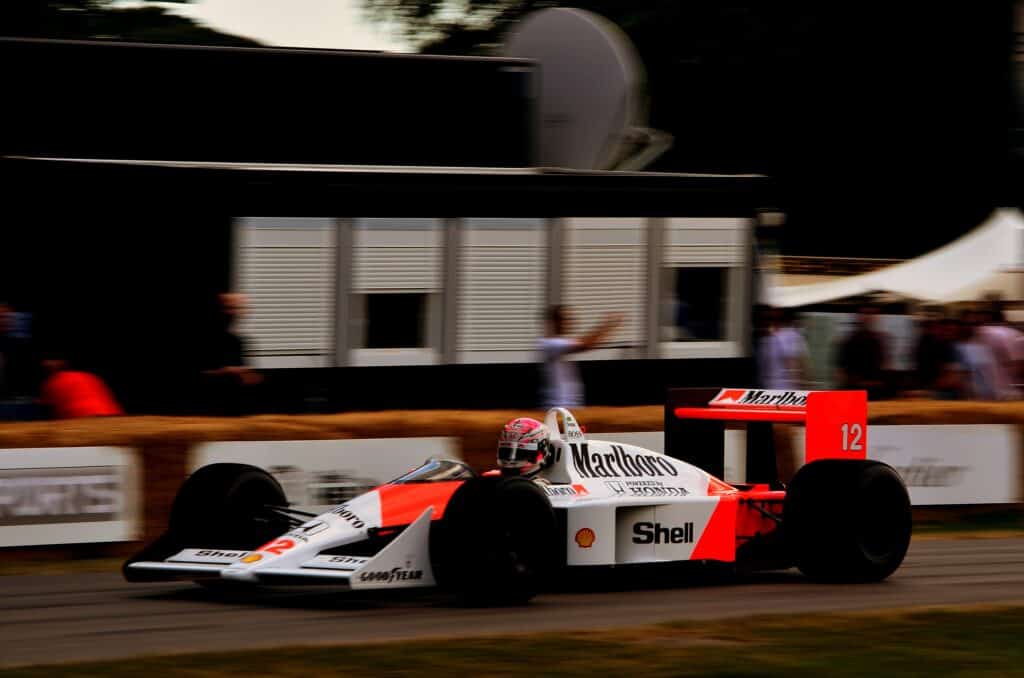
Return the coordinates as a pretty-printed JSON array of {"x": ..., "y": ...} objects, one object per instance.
[
  {"x": 968, "y": 464},
  {"x": 941, "y": 465},
  {"x": 69, "y": 495},
  {"x": 949, "y": 464}
]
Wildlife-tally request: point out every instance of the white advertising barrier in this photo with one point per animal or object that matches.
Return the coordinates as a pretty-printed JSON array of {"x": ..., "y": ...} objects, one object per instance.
[
  {"x": 69, "y": 495},
  {"x": 955, "y": 464},
  {"x": 319, "y": 474},
  {"x": 948, "y": 464}
]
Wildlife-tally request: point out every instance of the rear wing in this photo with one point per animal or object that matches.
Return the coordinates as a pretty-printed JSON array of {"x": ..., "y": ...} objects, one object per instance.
[{"x": 696, "y": 420}]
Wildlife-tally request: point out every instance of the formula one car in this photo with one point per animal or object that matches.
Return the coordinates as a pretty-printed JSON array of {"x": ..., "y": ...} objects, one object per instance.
[{"x": 495, "y": 538}]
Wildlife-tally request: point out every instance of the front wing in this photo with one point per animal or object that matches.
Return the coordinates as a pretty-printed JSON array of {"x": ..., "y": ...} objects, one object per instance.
[{"x": 403, "y": 563}]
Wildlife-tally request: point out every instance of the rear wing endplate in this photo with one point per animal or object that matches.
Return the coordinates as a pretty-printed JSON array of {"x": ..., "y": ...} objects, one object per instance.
[{"x": 695, "y": 421}]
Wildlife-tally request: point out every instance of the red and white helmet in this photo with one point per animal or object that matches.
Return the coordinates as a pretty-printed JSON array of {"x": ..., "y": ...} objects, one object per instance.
[{"x": 524, "y": 446}]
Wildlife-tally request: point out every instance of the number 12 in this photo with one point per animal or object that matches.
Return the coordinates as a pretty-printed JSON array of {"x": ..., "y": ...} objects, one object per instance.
[{"x": 852, "y": 434}]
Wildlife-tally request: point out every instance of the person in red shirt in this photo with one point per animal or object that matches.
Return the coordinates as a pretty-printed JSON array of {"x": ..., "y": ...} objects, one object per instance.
[{"x": 71, "y": 393}]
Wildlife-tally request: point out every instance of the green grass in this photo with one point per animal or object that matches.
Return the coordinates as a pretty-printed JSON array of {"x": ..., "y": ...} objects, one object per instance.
[
  {"x": 949, "y": 642},
  {"x": 995, "y": 523}
]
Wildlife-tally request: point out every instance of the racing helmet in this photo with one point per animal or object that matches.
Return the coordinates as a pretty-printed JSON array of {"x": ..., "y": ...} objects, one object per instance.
[{"x": 524, "y": 447}]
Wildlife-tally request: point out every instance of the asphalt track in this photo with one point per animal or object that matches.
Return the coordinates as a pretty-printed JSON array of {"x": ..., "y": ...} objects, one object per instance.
[{"x": 63, "y": 618}]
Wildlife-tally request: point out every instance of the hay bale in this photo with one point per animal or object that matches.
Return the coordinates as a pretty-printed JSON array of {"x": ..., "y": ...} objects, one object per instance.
[{"x": 164, "y": 442}]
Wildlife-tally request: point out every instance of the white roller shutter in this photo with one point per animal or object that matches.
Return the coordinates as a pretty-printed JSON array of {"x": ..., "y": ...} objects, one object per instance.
[
  {"x": 704, "y": 242},
  {"x": 605, "y": 262},
  {"x": 501, "y": 289},
  {"x": 286, "y": 268},
  {"x": 397, "y": 255}
]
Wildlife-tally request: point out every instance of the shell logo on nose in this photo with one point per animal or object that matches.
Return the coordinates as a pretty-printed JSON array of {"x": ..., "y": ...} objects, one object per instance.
[
  {"x": 585, "y": 538},
  {"x": 252, "y": 558}
]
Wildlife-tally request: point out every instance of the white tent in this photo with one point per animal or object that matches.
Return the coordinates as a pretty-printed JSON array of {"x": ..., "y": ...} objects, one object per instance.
[{"x": 988, "y": 259}]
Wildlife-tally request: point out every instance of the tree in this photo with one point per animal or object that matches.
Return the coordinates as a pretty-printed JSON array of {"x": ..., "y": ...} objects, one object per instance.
[
  {"x": 711, "y": 66},
  {"x": 873, "y": 117},
  {"x": 103, "y": 19}
]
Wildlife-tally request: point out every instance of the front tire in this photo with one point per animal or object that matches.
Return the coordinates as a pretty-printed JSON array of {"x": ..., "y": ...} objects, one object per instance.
[
  {"x": 224, "y": 506},
  {"x": 220, "y": 506},
  {"x": 847, "y": 520},
  {"x": 497, "y": 541}
]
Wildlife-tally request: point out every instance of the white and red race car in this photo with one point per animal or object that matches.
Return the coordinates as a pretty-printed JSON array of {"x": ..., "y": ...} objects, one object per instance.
[{"x": 497, "y": 539}]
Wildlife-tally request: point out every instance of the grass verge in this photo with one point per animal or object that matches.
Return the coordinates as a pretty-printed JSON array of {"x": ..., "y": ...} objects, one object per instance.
[
  {"x": 976, "y": 641},
  {"x": 1008, "y": 522}
]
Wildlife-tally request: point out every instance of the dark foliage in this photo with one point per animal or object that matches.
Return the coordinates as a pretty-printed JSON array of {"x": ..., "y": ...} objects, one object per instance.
[
  {"x": 887, "y": 124},
  {"x": 101, "y": 19}
]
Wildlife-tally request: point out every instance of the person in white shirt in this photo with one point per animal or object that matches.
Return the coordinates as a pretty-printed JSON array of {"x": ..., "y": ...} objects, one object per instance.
[
  {"x": 562, "y": 386},
  {"x": 781, "y": 352},
  {"x": 1005, "y": 343},
  {"x": 795, "y": 354},
  {"x": 980, "y": 371},
  {"x": 767, "y": 353}
]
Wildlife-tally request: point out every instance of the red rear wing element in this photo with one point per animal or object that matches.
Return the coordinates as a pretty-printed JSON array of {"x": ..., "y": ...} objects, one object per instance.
[
  {"x": 761, "y": 399},
  {"x": 837, "y": 425},
  {"x": 836, "y": 421}
]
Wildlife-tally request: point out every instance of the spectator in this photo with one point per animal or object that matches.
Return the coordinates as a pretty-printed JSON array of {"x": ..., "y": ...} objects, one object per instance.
[
  {"x": 782, "y": 353},
  {"x": 976, "y": 359},
  {"x": 71, "y": 394},
  {"x": 794, "y": 352},
  {"x": 6, "y": 350},
  {"x": 937, "y": 365},
  {"x": 228, "y": 380},
  {"x": 1005, "y": 343},
  {"x": 770, "y": 361},
  {"x": 19, "y": 380},
  {"x": 562, "y": 386},
  {"x": 862, "y": 356},
  {"x": 765, "y": 324},
  {"x": 781, "y": 356}
]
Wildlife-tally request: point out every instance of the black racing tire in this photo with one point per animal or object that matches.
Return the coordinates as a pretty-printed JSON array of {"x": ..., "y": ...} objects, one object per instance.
[
  {"x": 220, "y": 506},
  {"x": 847, "y": 520},
  {"x": 224, "y": 506},
  {"x": 496, "y": 543}
]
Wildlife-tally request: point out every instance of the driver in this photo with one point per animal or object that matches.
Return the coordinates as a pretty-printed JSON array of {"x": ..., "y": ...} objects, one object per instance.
[{"x": 524, "y": 447}]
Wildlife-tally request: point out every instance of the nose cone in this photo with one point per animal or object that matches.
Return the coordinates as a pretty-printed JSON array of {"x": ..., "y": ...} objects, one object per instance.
[{"x": 345, "y": 524}]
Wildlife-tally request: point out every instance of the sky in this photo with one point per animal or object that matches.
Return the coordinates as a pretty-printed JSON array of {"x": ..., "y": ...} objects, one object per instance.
[{"x": 335, "y": 24}]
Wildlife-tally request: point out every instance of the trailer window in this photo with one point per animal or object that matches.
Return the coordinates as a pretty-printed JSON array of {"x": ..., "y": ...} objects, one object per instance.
[
  {"x": 694, "y": 303},
  {"x": 396, "y": 320}
]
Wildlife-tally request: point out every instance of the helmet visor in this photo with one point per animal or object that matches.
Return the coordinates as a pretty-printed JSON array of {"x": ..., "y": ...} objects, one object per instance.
[{"x": 509, "y": 455}]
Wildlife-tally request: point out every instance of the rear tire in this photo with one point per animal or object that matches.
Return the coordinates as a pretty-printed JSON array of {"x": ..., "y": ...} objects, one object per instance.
[
  {"x": 847, "y": 520},
  {"x": 497, "y": 542}
]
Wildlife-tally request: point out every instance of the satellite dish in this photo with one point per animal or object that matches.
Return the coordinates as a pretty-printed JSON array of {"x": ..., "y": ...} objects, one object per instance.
[{"x": 592, "y": 100}]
